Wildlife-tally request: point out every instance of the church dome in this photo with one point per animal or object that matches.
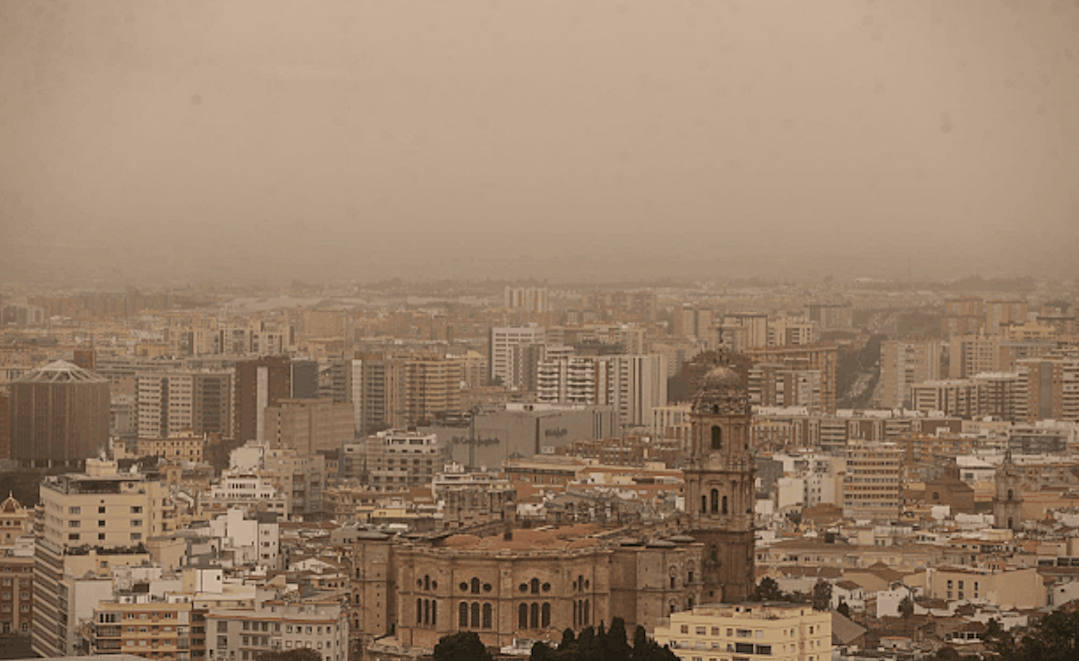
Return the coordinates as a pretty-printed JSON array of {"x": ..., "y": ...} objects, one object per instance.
[
  {"x": 721, "y": 376},
  {"x": 721, "y": 391}
]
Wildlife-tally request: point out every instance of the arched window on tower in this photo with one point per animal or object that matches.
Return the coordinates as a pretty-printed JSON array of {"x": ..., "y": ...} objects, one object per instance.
[
  {"x": 487, "y": 616},
  {"x": 522, "y": 616},
  {"x": 724, "y": 504},
  {"x": 545, "y": 614},
  {"x": 434, "y": 612},
  {"x": 704, "y": 504},
  {"x": 717, "y": 437},
  {"x": 715, "y": 500},
  {"x": 475, "y": 586},
  {"x": 534, "y": 586},
  {"x": 419, "y": 611},
  {"x": 533, "y": 613},
  {"x": 1011, "y": 494},
  {"x": 462, "y": 615}
]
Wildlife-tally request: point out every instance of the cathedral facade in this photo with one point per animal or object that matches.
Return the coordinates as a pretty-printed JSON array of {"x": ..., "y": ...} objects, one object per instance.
[{"x": 536, "y": 583}]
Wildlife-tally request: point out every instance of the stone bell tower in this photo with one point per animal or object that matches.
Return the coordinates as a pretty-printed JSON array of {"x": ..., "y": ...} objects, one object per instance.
[
  {"x": 719, "y": 484},
  {"x": 1008, "y": 498}
]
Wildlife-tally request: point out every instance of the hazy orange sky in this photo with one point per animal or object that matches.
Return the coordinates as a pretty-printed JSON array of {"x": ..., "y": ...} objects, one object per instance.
[{"x": 151, "y": 141}]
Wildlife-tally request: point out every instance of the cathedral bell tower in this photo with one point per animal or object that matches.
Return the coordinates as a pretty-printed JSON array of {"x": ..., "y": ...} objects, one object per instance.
[{"x": 719, "y": 485}]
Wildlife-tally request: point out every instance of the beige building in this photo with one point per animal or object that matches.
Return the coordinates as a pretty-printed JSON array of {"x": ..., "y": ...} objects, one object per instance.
[
  {"x": 16, "y": 592},
  {"x": 871, "y": 483},
  {"x": 1021, "y": 588},
  {"x": 90, "y": 522},
  {"x": 433, "y": 387},
  {"x": 308, "y": 425},
  {"x": 784, "y": 632},
  {"x": 149, "y": 629},
  {"x": 15, "y": 521},
  {"x": 397, "y": 459},
  {"x": 179, "y": 447},
  {"x": 277, "y": 626},
  {"x": 904, "y": 363}
]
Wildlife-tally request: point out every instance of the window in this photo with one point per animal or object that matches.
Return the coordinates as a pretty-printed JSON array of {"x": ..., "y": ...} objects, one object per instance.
[
  {"x": 475, "y": 586},
  {"x": 715, "y": 500},
  {"x": 74, "y": 510},
  {"x": 101, "y": 509},
  {"x": 100, "y": 523},
  {"x": 717, "y": 438},
  {"x": 487, "y": 616},
  {"x": 522, "y": 615},
  {"x": 462, "y": 615},
  {"x": 136, "y": 509},
  {"x": 533, "y": 615},
  {"x": 73, "y": 537},
  {"x": 475, "y": 612},
  {"x": 534, "y": 585}
]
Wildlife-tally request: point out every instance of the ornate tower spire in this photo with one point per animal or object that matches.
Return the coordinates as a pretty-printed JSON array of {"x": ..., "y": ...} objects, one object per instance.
[{"x": 719, "y": 479}]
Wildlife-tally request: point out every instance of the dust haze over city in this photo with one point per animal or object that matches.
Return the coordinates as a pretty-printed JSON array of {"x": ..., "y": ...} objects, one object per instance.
[
  {"x": 601, "y": 330},
  {"x": 169, "y": 142}
]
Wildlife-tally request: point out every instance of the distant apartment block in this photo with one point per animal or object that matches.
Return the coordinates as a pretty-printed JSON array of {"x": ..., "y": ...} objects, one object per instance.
[{"x": 501, "y": 341}]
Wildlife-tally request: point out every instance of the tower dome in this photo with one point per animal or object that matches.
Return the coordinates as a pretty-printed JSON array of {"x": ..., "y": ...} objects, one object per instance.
[{"x": 721, "y": 391}]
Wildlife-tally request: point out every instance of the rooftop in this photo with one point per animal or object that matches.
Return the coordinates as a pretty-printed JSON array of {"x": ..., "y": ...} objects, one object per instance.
[{"x": 61, "y": 371}]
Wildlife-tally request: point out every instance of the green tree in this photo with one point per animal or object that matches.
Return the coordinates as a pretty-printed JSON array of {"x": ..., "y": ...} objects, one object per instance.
[
  {"x": 462, "y": 646},
  {"x": 843, "y": 609},
  {"x": 541, "y": 652},
  {"x": 906, "y": 607},
  {"x": 617, "y": 647},
  {"x": 1054, "y": 638},
  {"x": 768, "y": 590},
  {"x": 822, "y": 595},
  {"x": 946, "y": 654},
  {"x": 568, "y": 639}
]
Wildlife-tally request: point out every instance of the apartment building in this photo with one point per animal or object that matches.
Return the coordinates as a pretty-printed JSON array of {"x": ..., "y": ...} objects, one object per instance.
[
  {"x": 527, "y": 299},
  {"x": 822, "y": 358},
  {"x": 904, "y": 363},
  {"x": 91, "y": 521},
  {"x": 16, "y": 590},
  {"x": 170, "y": 403},
  {"x": 871, "y": 482},
  {"x": 138, "y": 624},
  {"x": 277, "y": 626},
  {"x": 378, "y": 393},
  {"x": 784, "y": 632},
  {"x": 307, "y": 425},
  {"x": 633, "y": 384},
  {"x": 500, "y": 353},
  {"x": 181, "y": 447},
  {"x": 433, "y": 387},
  {"x": 399, "y": 459}
]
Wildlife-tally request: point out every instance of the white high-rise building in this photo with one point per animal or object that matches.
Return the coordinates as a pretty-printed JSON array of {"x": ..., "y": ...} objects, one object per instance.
[
  {"x": 530, "y": 299},
  {"x": 165, "y": 403},
  {"x": 638, "y": 384},
  {"x": 500, "y": 348},
  {"x": 633, "y": 384}
]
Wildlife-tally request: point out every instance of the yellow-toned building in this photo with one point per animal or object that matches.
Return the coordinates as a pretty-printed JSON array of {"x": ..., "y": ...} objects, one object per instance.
[
  {"x": 746, "y": 631},
  {"x": 92, "y": 521},
  {"x": 179, "y": 447},
  {"x": 151, "y": 629},
  {"x": 1022, "y": 588}
]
